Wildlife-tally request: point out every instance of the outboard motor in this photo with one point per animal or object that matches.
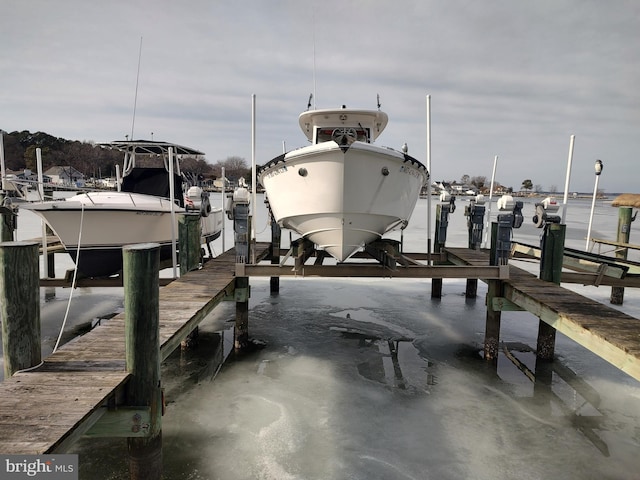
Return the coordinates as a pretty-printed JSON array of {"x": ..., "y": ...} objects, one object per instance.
[{"x": 197, "y": 199}]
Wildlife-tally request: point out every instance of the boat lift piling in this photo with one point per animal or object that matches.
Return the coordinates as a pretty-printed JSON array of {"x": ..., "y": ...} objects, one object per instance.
[
  {"x": 239, "y": 212},
  {"x": 552, "y": 246},
  {"x": 475, "y": 224},
  {"x": 624, "y": 232},
  {"x": 501, "y": 234},
  {"x": 8, "y": 218},
  {"x": 446, "y": 206},
  {"x": 276, "y": 236}
]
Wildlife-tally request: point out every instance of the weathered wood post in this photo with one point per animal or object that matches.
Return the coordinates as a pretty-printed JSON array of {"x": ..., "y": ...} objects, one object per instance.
[
  {"x": 552, "y": 252},
  {"x": 494, "y": 317},
  {"x": 624, "y": 232},
  {"x": 189, "y": 257},
  {"x": 141, "y": 264},
  {"x": 475, "y": 213},
  {"x": 509, "y": 217},
  {"x": 446, "y": 206},
  {"x": 51, "y": 261},
  {"x": 7, "y": 220},
  {"x": 276, "y": 234},
  {"x": 242, "y": 229},
  {"x": 189, "y": 233},
  {"x": 438, "y": 244},
  {"x": 20, "y": 305}
]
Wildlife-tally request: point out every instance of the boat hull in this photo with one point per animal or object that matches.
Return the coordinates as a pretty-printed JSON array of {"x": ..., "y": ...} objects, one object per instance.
[
  {"x": 343, "y": 198},
  {"x": 103, "y": 222}
]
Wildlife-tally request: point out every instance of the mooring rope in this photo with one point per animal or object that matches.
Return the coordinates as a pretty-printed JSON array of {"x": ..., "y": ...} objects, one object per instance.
[{"x": 73, "y": 282}]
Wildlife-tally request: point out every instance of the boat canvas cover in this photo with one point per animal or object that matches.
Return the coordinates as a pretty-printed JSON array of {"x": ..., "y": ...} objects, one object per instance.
[{"x": 153, "y": 181}]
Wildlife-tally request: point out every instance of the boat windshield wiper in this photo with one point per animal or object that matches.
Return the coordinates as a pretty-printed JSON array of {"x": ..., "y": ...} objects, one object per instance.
[{"x": 366, "y": 137}]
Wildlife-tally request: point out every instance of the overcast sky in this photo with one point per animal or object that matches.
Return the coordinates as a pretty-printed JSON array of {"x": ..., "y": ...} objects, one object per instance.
[{"x": 509, "y": 78}]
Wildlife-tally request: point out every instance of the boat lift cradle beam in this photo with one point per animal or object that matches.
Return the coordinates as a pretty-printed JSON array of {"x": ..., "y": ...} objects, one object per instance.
[
  {"x": 498, "y": 272},
  {"x": 386, "y": 252}
]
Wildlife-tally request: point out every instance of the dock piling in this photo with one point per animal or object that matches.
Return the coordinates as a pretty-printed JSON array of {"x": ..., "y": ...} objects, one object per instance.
[
  {"x": 8, "y": 216},
  {"x": 241, "y": 228},
  {"x": 141, "y": 264},
  {"x": 475, "y": 222},
  {"x": 189, "y": 233},
  {"x": 446, "y": 206},
  {"x": 510, "y": 217},
  {"x": 552, "y": 248},
  {"x": 494, "y": 317},
  {"x": 276, "y": 234},
  {"x": 624, "y": 232},
  {"x": 20, "y": 305},
  {"x": 190, "y": 257}
]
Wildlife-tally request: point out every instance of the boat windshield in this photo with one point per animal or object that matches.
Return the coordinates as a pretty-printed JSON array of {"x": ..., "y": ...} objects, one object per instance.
[{"x": 326, "y": 134}]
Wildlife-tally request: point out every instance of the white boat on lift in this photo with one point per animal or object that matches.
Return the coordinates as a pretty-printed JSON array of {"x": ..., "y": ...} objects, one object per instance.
[
  {"x": 342, "y": 192},
  {"x": 101, "y": 222}
]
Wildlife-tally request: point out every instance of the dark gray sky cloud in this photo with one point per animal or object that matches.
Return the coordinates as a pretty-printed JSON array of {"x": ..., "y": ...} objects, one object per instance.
[{"x": 513, "y": 79}]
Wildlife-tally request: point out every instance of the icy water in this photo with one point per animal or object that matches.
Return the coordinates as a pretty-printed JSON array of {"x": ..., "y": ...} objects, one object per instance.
[{"x": 373, "y": 379}]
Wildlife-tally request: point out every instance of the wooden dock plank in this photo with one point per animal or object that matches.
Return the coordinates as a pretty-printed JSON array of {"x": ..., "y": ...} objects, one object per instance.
[
  {"x": 606, "y": 331},
  {"x": 48, "y": 406},
  {"x": 43, "y": 410}
]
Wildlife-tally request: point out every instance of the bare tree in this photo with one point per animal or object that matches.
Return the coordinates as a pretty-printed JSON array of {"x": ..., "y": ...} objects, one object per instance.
[
  {"x": 234, "y": 166},
  {"x": 479, "y": 182}
]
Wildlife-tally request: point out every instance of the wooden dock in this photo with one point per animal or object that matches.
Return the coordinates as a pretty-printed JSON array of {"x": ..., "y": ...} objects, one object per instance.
[
  {"x": 47, "y": 409},
  {"x": 607, "y": 332}
]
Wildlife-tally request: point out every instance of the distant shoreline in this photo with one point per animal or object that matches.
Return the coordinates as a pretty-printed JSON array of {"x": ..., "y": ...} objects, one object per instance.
[{"x": 574, "y": 196}]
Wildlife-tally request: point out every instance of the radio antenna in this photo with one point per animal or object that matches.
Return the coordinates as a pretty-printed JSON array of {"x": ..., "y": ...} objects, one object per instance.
[
  {"x": 135, "y": 98},
  {"x": 313, "y": 13}
]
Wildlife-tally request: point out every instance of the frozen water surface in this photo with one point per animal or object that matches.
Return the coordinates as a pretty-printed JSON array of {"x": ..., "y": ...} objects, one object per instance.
[{"x": 396, "y": 389}]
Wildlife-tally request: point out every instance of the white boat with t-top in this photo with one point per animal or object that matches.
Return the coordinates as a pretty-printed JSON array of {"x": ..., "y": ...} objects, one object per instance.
[
  {"x": 342, "y": 192},
  {"x": 94, "y": 226}
]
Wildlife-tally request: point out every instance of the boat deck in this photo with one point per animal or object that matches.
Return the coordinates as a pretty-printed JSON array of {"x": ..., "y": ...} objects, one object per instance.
[{"x": 47, "y": 409}]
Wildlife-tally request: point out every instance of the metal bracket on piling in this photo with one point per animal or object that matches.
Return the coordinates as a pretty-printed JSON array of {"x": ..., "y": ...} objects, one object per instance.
[
  {"x": 123, "y": 421},
  {"x": 387, "y": 252},
  {"x": 303, "y": 249}
]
